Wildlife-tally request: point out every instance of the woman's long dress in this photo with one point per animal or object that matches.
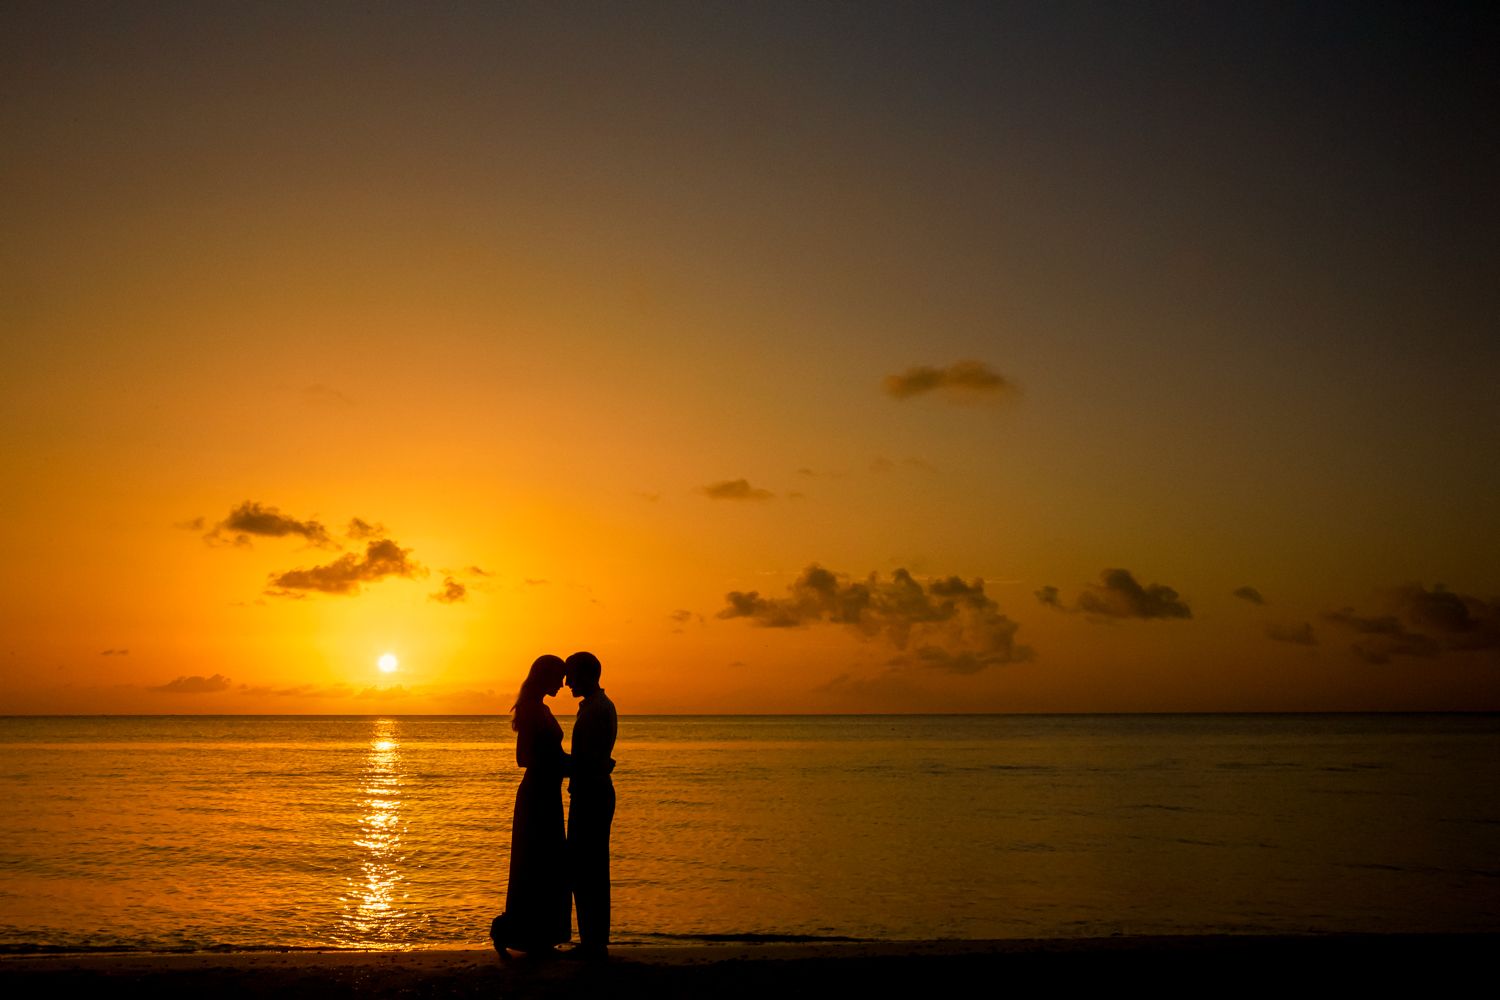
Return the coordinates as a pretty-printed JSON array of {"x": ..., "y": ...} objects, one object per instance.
[{"x": 538, "y": 902}]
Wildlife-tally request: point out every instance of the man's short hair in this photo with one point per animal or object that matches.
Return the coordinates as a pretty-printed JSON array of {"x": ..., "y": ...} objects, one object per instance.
[{"x": 585, "y": 667}]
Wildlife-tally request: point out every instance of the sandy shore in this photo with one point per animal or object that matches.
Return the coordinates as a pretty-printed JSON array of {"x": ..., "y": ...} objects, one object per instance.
[{"x": 1178, "y": 965}]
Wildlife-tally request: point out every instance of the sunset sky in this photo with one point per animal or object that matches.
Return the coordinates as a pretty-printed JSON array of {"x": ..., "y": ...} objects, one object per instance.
[{"x": 803, "y": 357}]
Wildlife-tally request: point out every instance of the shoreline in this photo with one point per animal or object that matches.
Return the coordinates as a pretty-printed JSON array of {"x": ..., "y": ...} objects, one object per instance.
[{"x": 873, "y": 968}]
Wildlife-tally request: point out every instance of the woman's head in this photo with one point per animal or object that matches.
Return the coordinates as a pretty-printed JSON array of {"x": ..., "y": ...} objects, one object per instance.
[{"x": 545, "y": 677}]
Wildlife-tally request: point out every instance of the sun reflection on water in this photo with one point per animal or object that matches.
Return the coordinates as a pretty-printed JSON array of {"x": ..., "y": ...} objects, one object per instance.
[{"x": 374, "y": 913}]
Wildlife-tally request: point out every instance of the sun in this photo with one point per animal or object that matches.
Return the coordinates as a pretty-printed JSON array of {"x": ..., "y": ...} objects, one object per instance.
[{"x": 387, "y": 663}]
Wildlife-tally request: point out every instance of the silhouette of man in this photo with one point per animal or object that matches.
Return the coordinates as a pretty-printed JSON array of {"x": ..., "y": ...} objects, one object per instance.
[{"x": 591, "y": 807}]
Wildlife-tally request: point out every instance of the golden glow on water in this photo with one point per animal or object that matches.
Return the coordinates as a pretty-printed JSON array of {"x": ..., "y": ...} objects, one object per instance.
[{"x": 373, "y": 905}]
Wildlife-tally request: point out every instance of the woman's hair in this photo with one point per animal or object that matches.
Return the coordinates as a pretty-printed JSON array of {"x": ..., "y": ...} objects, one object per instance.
[{"x": 546, "y": 670}]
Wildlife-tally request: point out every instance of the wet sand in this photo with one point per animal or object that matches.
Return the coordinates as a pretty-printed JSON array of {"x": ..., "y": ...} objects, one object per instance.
[{"x": 1177, "y": 965}]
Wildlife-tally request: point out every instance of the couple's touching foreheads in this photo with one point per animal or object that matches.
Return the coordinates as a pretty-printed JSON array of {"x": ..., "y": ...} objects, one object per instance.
[{"x": 552, "y": 866}]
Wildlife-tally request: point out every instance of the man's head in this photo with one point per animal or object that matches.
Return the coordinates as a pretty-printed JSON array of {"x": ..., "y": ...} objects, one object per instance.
[{"x": 583, "y": 674}]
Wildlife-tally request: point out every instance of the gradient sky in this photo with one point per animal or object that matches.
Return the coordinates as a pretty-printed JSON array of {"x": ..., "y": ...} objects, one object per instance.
[{"x": 804, "y": 357}]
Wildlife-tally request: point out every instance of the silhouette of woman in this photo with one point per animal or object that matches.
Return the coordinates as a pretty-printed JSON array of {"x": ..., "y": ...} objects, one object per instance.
[{"x": 538, "y": 902}]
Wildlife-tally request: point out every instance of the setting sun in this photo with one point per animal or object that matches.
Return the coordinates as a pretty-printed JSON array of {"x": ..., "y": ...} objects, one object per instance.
[{"x": 388, "y": 663}]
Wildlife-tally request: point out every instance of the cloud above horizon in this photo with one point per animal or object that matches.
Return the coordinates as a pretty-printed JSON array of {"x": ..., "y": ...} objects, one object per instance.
[
  {"x": 452, "y": 592},
  {"x": 254, "y": 519},
  {"x": 1120, "y": 595},
  {"x": 1421, "y": 623},
  {"x": 382, "y": 558},
  {"x": 946, "y": 624},
  {"x": 735, "y": 489},
  {"x": 963, "y": 380},
  {"x": 1249, "y": 594},
  {"x": 196, "y": 684}
]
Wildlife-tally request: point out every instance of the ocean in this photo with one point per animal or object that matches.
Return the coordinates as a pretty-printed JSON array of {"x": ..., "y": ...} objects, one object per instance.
[{"x": 190, "y": 833}]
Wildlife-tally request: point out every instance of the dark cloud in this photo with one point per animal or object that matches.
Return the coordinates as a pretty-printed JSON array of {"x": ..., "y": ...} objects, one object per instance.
[
  {"x": 735, "y": 489},
  {"x": 1422, "y": 623},
  {"x": 1301, "y": 634},
  {"x": 946, "y": 624},
  {"x": 452, "y": 592},
  {"x": 962, "y": 379},
  {"x": 360, "y": 529},
  {"x": 192, "y": 524},
  {"x": 479, "y": 572},
  {"x": 254, "y": 519},
  {"x": 1119, "y": 595},
  {"x": 682, "y": 616},
  {"x": 1249, "y": 594},
  {"x": 382, "y": 558},
  {"x": 195, "y": 684},
  {"x": 114, "y": 652}
]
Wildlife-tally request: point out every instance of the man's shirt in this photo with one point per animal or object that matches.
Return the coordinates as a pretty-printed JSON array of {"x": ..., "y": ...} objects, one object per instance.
[{"x": 594, "y": 736}]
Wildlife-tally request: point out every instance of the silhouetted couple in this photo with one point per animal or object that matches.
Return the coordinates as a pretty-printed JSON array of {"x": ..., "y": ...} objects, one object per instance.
[{"x": 552, "y": 868}]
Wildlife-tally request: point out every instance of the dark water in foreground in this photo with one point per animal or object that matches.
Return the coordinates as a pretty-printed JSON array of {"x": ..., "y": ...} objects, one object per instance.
[{"x": 243, "y": 832}]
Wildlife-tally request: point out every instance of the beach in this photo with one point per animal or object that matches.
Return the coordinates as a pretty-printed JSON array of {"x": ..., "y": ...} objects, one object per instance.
[{"x": 1177, "y": 965}]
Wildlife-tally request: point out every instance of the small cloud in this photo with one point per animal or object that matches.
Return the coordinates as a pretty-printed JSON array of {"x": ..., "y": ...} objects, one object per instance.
[
  {"x": 195, "y": 684},
  {"x": 452, "y": 592},
  {"x": 535, "y": 583},
  {"x": 360, "y": 529},
  {"x": 114, "y": 652},
  {"x": 880, "y": 465},
  {"x": 192, "y": 524},
  {"x": 735, "y": 489},
  {"x": 796, "y": 495},
  {"x": 962, "y": 380},
  {"x": 1118, "y": 595},
  {"x": 1301, "y": 634},
  {"x": 1249, "y": 594},
  {"x": 382, "y": 558},
  {"x": 805, "y": 471},
  {"x": 254, "y": 519},
  {"x": 479, "y": 572},
  {"x": 649, "y": 497},
  {"x": 682, "y": 617},
  {"x": 738, "y": 663}
]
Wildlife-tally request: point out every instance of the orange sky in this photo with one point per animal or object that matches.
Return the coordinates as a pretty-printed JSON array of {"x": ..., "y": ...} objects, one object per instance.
[{"x": 606, "y": 316}]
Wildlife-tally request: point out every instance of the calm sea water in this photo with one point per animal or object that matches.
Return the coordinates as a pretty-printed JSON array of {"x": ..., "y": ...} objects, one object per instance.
[{"x": 189, "y": 833}]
